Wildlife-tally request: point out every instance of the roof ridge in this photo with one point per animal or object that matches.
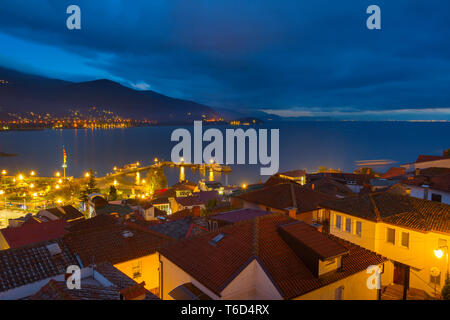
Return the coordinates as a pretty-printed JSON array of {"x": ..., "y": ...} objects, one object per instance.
[{"x": 375, "y": 208}]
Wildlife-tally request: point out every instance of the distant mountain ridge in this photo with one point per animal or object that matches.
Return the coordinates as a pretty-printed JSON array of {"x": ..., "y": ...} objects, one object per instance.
[{"x": 22, "y": 92}]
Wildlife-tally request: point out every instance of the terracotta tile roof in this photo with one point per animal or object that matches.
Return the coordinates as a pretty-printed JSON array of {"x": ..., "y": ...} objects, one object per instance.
[
  {"x": 57, "y": 290},
  {"x": 425, "y": 158},
  {"x": 239, "y": 215},
  {"x": 66, "y": 212},
  {"x": 280, "y": 196},
  {"x": 397, "y": 209},
  {"x": 393, "y": 172},
  {"x": 31, "y": 263},
  {"x": 319, "y": 243},
  {"x": 330, "y": 187},
  {"x": 357, "y": 178},
  {"x": 215, "y": 266},
  {"x": 181, "y": 228},
  {"x": 198, "y": 198},
  {"x": 115, "y": 243},
  {"x": 35, "y": 232}
]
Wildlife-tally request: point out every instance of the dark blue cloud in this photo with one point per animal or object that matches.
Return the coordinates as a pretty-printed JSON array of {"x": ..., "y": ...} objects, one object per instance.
[{"x": 251, "y": 54}]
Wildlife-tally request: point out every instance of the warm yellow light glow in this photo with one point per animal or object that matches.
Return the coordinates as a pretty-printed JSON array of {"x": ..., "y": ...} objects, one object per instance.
[
  {"x": 182, "y": 159},
  {"x": 20, "y": 177},
  {"x": 57, "y": 186},
  {"x": 86, "y": 174},
  {"x": 35, "y": 195},
  {"x": 32, "y": 173},
  {"x": 31, "y": 185},
  {"x": 143, "y": 181},
  {"x": 244, "y": 186},
  {"x": 4, "y": 172},
  {"x": 211, "y": 160},
  {"x": 2, "y": 192},
  {"x": 115, "y": 182},
  {"x": 59, "y": 201},
  {"x": 137, "y": 163},
  {"x": 115, "y": 168},
  {"x": 156, "y": 159},
  {"x": 60, "y": 181},
  {"x": 57, "y": 173},
  {"x": 438, "y": 253}
]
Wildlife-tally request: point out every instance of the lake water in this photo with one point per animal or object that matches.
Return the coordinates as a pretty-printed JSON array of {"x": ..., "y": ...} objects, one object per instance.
[{"x": 303, "y": 145}]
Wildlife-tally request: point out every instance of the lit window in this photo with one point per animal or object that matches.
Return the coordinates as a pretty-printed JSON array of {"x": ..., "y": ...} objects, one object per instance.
[
  {"x": 348, "y": 225},
  {"x": 390, "y": 237},
  {"x": 338, "y": 222},
  {"x": 405, "y": 239},
  {"x": 358, "y": 228}
]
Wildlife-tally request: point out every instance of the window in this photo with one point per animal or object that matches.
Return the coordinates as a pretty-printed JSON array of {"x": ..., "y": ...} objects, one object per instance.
[
  {"x": 436, "y": 197},
  {"x": 405, "y": 239},
  {"x": 358, "y": 228},
  {"x": 390, "y": 237},
  {"x": 348, "y": 225},
  {"x": 338, "y": 222}
]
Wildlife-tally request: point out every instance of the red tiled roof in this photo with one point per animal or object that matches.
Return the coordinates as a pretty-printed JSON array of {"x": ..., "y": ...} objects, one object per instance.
[
  {"x": 111, "y": 243},
  {"x": 425, "y": 158},
  {"x": 198, "y": 198},
  {"x": 239, "y": 215},
  {"x": 280, "y": 197},
  {"x": 397, "y": 209},
  {"x": 322, "y": 245},
  {"x": 393, "y": 172},
  {"x": 30, "y": 233},
  {"x": 31, "y": 263},
  {"x": 57, "y": 290},
  {"x": 216, "y": 266},
  {"x": 66, "y": 212}
]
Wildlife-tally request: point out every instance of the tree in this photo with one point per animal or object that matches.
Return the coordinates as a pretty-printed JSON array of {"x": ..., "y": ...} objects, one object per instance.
[
  {"x": 209, "y": 207},
  {"x": 112, "y": 193},
  {"x": 156, "y": 179},
  {"x": 91, "y": 187}
]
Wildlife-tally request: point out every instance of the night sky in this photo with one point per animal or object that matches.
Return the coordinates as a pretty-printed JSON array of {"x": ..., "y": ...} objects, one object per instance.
[{"x": 311, "y": 59}]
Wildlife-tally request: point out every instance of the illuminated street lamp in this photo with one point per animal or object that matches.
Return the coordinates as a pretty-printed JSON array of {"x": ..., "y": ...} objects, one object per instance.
[
  {"x": 156, "y": 160},
  {"x": 20, "y": 177},
  {"x": 57, "y": 174},
  {"x": 4, "y": 172},
  {"x": 57, "y": 186},
  {"x": 32, "y": 173},
  {"x": 115, "y": 182},
  {"x": 244, "y": 186},
  {"x": 31, "y": 185},
  {"x": 439, "y": 253},
  {"x": 86, "y": 174},
  {"x": 59, "y": 201}
]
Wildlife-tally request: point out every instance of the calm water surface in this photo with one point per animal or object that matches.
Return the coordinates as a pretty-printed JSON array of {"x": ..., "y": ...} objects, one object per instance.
[{"x": 303, "y": 145}]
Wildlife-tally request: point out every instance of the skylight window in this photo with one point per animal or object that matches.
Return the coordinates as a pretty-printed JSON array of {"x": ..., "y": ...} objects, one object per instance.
[{"x": 217, "y": 238}]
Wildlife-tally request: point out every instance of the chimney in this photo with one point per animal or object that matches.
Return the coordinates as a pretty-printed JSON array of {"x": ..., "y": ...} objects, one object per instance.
[
  {"x": 292, "y": 212},
  {"x": 196, "y": 211},
  {"x": 136, "y": 292}
]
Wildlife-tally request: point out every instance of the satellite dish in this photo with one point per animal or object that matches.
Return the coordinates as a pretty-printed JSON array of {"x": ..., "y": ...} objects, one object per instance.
[{"x": 435, "y": 272}]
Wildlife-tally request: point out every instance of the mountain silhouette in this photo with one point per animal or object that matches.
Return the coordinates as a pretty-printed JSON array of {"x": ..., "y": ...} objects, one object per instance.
[{"x": 22, "y": 92}]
